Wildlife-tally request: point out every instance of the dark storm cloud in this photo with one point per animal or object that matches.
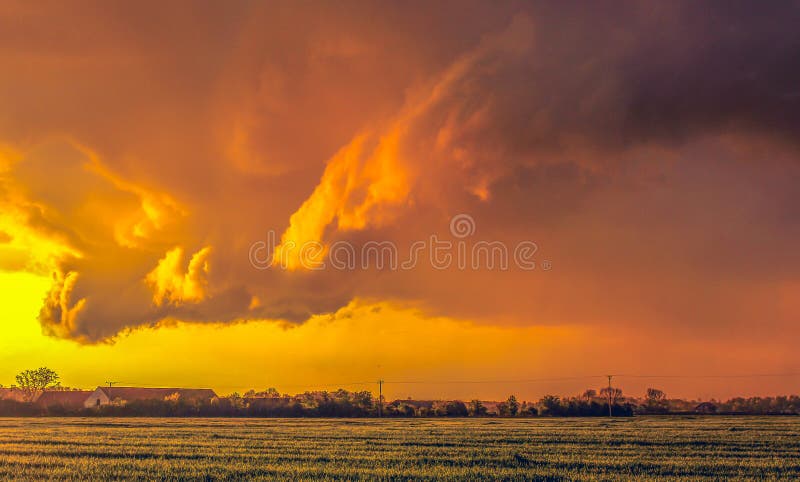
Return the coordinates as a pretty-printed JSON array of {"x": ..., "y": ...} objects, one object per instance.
[{"x": 584, "y": 126}]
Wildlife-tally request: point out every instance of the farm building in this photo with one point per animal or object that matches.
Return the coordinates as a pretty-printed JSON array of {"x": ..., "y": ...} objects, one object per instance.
[
  {"x": 706, "y": 408},
  {"x": 13, "y": 393},
  {"x": 64, "y": 399},
  {"x": 417, "y": 404},
  {"x": 106, "y": 395}
]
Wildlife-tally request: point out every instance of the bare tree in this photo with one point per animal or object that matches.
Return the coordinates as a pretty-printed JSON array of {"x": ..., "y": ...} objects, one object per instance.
[
  {"x": 589, "y": 394},
  {"x": 34, "y": 382},
  {"x": 612, "y": 393},
  {"x": 655, "y": 395},
  {"x": 656, "y": 401}
]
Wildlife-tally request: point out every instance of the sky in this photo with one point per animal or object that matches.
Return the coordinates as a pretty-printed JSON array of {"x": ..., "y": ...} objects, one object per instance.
[{"x": 464, "y": 199}]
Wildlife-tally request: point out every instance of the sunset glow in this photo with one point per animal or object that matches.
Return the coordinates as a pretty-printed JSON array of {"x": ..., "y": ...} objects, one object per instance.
[{"x": 630, "y": 200}]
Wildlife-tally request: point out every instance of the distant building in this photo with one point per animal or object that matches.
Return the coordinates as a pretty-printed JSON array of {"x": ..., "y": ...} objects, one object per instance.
[
  {"x": 417, "y": 404},
  {"x": 107, "y": 395},
  {"x": 14, "y": 394},
  {"x": 491, "y": 407},
  {"x": 64, "y": 399},
  {"x": 706, "y": 408}
]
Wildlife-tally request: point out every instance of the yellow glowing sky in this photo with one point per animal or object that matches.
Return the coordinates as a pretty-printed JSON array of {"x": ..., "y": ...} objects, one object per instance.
[
  {"x": 358, "y": 344},
  {"x": 361, "y": 343}
]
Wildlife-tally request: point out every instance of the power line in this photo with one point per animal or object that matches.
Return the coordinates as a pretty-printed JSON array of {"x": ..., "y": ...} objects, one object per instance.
[
  {"x": 346, "y": 384},
  {"x": 297, "y": 385},
  {"x": 518, "y": 381},
  {"x": 751, "y": 375},
  {"x": 586, "y": 377},
  {"x": 528, "y": 380}
]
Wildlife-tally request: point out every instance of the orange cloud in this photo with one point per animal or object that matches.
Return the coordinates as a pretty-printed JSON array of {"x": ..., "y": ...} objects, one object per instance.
[
  {"x": 377, "y": 170},
  {"x": 135, "y": 173},
  {"x": 157, "y": 210},
  {"x": 60, "y": 311},
  {"x": 171, "y": 284}
]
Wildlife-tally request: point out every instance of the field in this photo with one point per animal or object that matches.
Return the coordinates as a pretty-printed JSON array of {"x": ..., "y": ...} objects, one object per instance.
[{"x": 642, "y": 448}]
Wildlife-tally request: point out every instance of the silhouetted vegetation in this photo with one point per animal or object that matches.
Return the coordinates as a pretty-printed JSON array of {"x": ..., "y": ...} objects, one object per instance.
[
  {"x": 34, "y": 382},
  {"x": 22, "y": 401}
]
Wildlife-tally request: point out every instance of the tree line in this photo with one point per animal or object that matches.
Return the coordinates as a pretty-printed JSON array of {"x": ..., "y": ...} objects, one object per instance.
[{"x": 343, "y": 403}]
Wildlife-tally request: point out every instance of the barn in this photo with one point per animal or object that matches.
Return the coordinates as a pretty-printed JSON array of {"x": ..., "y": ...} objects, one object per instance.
[
  {"x": 14, "y": 394},
  {"x": 706, "y": 408},
  {"x": 107, "y": 395},
  {"x": 62, "y": 399}
]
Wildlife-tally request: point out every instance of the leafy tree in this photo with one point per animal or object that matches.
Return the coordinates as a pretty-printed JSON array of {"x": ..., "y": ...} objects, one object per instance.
[
  {"x": 502, "y": 409},
  {"x": 509, "y": 408},
  {"x": 528, "y": 410},
  {"x": 656, "y": 401},
  {"x": 34, "y": 382},
  {"x": 268, "y": 393},
  {"x": 406, "y": 410},
  {"x": 363, "y": 400},
  {"x": 236, "y": 401},
  {"x": 476, "y": 408},
  {"x": 456, "y": 408},
  {"x": 550, "y": 405},
  {"x": 513, "y": 405}
]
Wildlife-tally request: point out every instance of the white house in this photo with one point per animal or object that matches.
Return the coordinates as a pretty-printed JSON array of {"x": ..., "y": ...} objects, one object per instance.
[{"x": 106, "y": 395}]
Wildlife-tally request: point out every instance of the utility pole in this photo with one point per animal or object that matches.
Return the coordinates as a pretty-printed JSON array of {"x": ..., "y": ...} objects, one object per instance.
[
  {"x": 111, "y": 383},
  {"x": 380, "y": 398},
  {"x": 609, "y": 394}
]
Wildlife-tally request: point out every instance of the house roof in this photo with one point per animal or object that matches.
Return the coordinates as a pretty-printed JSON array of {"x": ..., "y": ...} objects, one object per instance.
[
  {"x": 706, "y": 406},
  {"x": 414, "y": 403},
  {"x": 12, "y": 394},
  {"x": 139, "y": 393},
  {"x": 64, "y": 398}
]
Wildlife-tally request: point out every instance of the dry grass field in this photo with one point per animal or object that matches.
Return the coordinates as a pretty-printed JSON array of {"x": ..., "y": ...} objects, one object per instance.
[{"x": 642, "y": 448}]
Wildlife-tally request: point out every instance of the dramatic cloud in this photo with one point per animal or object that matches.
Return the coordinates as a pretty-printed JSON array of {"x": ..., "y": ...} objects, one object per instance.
[{"x": 649, "y": 150}]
